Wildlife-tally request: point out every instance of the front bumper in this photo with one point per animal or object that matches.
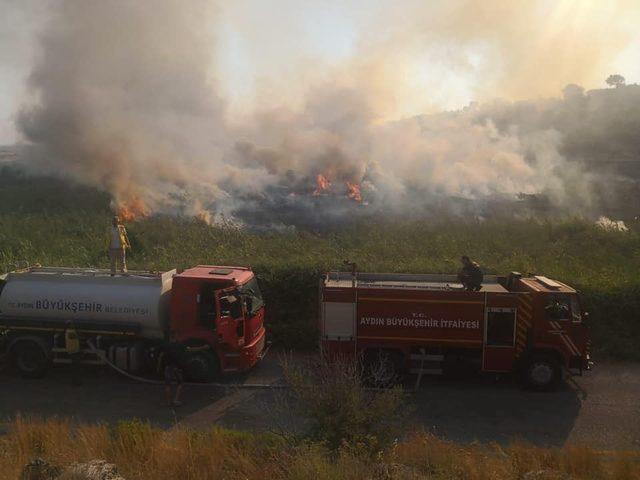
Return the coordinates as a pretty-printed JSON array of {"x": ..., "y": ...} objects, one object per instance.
[
  {"x": 253, "y": 352},
  {"x": 577, "y": 365}
]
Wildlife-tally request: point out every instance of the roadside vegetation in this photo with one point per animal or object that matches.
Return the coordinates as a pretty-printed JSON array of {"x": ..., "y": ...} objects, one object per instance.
[
  {"x": 340, "y": 410},
  {"x": 142, "y": 452},
  {"x": 47, "y": 221}
]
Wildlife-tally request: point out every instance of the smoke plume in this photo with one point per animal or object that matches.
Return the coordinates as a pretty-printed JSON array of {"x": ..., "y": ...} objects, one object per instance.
[{"x": 128, "y": 101}]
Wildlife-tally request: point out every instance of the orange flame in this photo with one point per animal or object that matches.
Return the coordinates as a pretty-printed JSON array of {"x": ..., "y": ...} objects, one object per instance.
[
  {"x": 131, "y": 210},
  {"x": 322, "y": 185},
  {"x": 353, "y": 191}
]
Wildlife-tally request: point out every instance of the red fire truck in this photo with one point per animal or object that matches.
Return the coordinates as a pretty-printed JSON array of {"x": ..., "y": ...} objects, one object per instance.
[{"x": 429, "y": 324}]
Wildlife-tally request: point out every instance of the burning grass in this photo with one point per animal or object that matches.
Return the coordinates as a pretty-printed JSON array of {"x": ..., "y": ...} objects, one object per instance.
[
  {"x": 131, "y": 210},
  {"x": 143, "y": 452},
  {"x": 47, "y": 222}
]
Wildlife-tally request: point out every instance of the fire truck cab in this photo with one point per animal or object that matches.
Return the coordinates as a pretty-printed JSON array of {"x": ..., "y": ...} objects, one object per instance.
[
  {"x": 429, "y": 324},
  {"x": 222, "y": 308}
]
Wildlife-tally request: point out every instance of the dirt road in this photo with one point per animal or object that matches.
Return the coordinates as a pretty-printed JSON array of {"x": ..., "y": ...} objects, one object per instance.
[{"x": 601, "y": 409}]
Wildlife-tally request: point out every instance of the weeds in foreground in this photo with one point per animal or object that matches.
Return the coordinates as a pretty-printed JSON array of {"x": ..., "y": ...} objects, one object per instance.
[
  {"x": 142, "y": 452},
  {"x": 341, "y": 412}
]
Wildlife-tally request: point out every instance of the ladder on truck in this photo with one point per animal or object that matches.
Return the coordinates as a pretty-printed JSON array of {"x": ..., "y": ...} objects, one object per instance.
[{"x": 427, "y": 364}]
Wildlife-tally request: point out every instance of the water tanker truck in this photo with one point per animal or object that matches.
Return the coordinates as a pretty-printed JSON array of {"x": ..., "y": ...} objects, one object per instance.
[
  {"x": 429, "y": 324},
  {"x": 212, "y": 315}
]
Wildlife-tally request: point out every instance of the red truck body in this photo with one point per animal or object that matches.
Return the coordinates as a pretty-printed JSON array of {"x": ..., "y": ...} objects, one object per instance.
[
  {"x": 428, "y": 323},
  {"x": 197, "y": 314}
]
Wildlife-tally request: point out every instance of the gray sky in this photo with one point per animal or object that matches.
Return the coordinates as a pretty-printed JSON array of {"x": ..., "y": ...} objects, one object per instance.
[{"x": 428, "y": 57}]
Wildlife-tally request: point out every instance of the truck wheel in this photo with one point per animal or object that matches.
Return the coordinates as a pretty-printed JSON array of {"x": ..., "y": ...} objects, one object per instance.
[
  {"x": 542, "y": 373},
  {"x": 29, "y": 359},
  {"x": 201, "y": 367},
  {"x": 381, "y": 368}
]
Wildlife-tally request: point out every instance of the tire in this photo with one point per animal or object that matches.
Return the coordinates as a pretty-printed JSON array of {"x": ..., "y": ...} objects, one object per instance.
[
  {"x": 201, "y": 367},
  {"x": 29, "y": 359},
  {"x": 382, "y": 368},
  {"x": 542, "y": 373}
]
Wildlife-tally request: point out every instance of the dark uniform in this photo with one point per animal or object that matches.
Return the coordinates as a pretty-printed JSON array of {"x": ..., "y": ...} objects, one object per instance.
[
  {"x": 471, "y": 276},
  {"x": 173, "y": 374}
]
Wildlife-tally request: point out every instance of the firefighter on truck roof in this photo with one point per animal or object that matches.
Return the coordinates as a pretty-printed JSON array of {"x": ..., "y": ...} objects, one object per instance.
[
  {"x": 118, "y": 243},
  {"x": 470, "y": 276}
]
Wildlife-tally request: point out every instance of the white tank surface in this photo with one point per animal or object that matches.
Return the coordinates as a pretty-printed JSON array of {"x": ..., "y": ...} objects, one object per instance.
[{"x": 88, "y": 295}]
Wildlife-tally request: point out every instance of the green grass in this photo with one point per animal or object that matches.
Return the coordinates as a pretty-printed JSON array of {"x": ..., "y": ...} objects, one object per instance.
[{"x": 46, "y": 221}]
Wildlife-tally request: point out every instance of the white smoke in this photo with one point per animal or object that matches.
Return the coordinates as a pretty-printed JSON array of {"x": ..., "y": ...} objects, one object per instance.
[
  {"x": 127, "y": 102},
  {"x": 611, "y": 225}
]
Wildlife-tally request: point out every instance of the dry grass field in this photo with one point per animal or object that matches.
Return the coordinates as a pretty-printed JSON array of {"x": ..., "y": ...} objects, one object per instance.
[{"x": 141, "y": 452}]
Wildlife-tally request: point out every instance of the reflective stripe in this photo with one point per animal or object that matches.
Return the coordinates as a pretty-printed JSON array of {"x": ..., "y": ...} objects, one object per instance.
[
  {"x": 524, "y": 323},
  {"x": 418, "y": 300},
  {"x": 526, "y": 301},
  {"x": 573, "y": 344},
  {"x": 413, "y": 339},
  {"x": 525, "y": 315},
  {"x": 566, "y": 340}
]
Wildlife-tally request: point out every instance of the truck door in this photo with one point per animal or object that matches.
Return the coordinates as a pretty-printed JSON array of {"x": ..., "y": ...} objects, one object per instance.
[
  {"x": 207, "y": 305},
  {"x": 231, "y": 321},
  {"x": 563, "y": 314},
  {"x": 499, "y": 339}
]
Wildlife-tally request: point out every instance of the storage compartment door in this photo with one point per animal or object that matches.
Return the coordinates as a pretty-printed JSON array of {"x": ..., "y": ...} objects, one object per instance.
[
  {"x": 499, "y": 339},
  {"x": 339, "y": 320}
]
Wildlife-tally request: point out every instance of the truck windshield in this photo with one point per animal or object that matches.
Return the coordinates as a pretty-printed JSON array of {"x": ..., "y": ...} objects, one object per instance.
[
  {"x": 558, "y": 307},
  {"x": 251, "y": 292}
]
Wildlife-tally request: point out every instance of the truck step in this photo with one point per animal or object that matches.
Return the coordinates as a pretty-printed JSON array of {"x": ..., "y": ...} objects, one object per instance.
[
  {"x": 84, "y": 350},
  {"x": 67, "y": 361},
  {"x": 426, "y": 357},
  {"x": 426, "y": 371}
]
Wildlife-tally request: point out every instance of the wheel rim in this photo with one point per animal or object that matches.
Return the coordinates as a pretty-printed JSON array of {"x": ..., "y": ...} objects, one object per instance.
[
  {"x": 200, "y": 368},
  {"x": 541, "y": 373},
  {"x": 197, "y": 367},
  {"x": 29, "y": 359}
]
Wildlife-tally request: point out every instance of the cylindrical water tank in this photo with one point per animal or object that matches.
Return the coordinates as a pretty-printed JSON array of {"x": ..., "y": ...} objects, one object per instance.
[{"x": 86, "y": 295}]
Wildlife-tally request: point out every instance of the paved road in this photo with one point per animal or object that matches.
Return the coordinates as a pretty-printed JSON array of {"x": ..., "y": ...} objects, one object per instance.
[{"x": 601, "y": 409}]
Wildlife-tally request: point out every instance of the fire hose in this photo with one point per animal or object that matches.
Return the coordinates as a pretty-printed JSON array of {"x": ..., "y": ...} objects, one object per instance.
[
  {"x": 151, "y": 381},
  {"x": 255, "y": 386}
]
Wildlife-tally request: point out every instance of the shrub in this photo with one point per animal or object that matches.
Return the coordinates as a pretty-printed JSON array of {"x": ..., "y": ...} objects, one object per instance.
[{"x": 341, "y": 412}]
